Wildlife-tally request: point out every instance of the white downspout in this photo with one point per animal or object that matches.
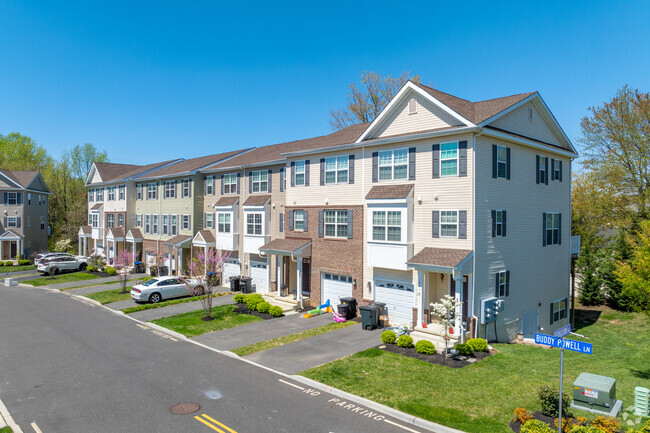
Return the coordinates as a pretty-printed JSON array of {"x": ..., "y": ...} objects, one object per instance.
[{"x": 473, "y": 297}]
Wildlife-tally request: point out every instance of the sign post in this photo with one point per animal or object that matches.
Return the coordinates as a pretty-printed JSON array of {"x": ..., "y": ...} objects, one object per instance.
[{"x": 557, "y": 340}]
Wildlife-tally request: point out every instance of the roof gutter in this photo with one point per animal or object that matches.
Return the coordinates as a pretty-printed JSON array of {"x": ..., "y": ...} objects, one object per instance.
[{"x": 489, "y": 132}]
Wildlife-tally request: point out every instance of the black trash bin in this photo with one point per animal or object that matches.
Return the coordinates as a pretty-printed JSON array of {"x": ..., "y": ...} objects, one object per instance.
[
  {"x": 138, "y": 267},
  {"x": 235, "y": 284},
  {"x": 369, "y": 316},
  {"x": 213, "y": 279},
  {"x": 342, "y": 309},
  {"x": 352, "y": 310},
  {"x": 164, "y": 271},
  {"x": 246, "y": 285},
  {"x": 382, "y": 314}
]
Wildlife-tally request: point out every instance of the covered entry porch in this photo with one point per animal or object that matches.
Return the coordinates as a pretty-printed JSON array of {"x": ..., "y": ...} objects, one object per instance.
[
  {"x": 115, "y": 243},
  {"x": 293, "y": 268},
  {"x": 442, "y": 271},
  {"x": 134, "y": 238},
  {"x": 85, "y": 233},
  {"x": 11, "y": 244},
  {"x": 179, "y": 253}
]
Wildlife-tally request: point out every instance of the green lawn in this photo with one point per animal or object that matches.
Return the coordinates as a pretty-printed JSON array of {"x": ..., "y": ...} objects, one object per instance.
[
  {"x": 280, "y": 341},
  {"x": 6, "y": 430},
  {"x": 98, "y": 284},
  {"x": 190, "y": 324},
  {"x": 143, "y": 307},
  {"x": 110, "y": 296},
  {"x": 10, "y": 269},
  {"x": 482, "y": 397},
  {"x": 61, "y": 278}
]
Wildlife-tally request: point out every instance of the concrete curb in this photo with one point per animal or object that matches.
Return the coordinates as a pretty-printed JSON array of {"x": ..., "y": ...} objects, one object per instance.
[
  {"x": 7, "y": 420},
  {"x": 165, "y": 330}
]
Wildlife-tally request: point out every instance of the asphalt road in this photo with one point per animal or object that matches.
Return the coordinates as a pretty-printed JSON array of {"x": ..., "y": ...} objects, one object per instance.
[{"x": 72, "y": 367}]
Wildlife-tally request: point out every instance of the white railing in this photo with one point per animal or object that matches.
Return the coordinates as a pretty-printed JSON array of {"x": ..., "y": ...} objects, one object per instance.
[{"x": 575, "y": 246}]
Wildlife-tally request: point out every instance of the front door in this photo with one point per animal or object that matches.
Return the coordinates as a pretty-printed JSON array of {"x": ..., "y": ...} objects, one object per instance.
[
  {"x": 13, "y": 249},
  {"x": 306, "y": 277},
  {"x": 465, "y": 295},
  {"x": 530, "y": 323}
]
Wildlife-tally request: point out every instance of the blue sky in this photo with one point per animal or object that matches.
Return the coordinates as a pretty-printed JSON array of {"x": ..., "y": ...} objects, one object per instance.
[{"x": 149, "y": 80}]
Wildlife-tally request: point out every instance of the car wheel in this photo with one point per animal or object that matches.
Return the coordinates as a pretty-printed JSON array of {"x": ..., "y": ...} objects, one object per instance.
[
  {"x": 155, "y": 298},
  {"x": 55, "y": 271},
  {"x": 82, "y": 267}
]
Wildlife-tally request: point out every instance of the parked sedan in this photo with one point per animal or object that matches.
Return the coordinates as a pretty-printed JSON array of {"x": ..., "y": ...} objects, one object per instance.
[
  {"x": 159, "y": 288},
  {"x": 59, "y": 264},
  {"x": 40, "y": 258}
]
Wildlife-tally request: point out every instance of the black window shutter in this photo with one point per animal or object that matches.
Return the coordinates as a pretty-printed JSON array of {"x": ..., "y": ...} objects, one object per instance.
[
  {"x": 281, "y": 228},
  {"x": 268, "y": 181},
  {"x": 503, "y": 223},
  {"x": 507, "y": 283},
  {"x": 375, "y": 167},
  {"x": 537, "y": 168},
  {"x": 19, "y": 196},
  {"x": 5, "y": 221},
  {"x": 322, "y": 171},
  {"x": 546, "y": 170},
  {"x": 290, "y": 220},
  {"x": 411, "y": 163},
  {"x": 507, "y": 163},
  {"x": 191, "y": 187},
  {"x": 560, "y": 179},
  {"x": 462, "y": 224},
  {"x": 238, "y": 176},
  {"x": 494, "y": 161},
  {"x": 462, "y": 158},
  {"x": 293, "y": 173},
  {"x": 205, "y": 187},
  {"x": 553, "y": 169},
  {"x": 351, "y": 169},
  {"x": 6, "y": 198},
  {"x": 551, "y": 319},
  {"x": 436, "y": 161},
  {"x": 250, "y": 182},
  {"x": 544, "y": 229},
  {"x": 223, "y": 186},
  {"x": 307, "y": 173},
  {"x": 494, "y": 223},
  {"x": 436, "y": 224},
  {"x": 350, "y": 226},
  {"x": 496, "y": 285},
  {"x": 18, "y": 222},
  {"x": 559, "y": 234},
  {"x": 189, "y": 221},
  {"x": 282, "y": 179},
  {"x": 306, "y": 220},
  {"x": 320, "y": 223}
]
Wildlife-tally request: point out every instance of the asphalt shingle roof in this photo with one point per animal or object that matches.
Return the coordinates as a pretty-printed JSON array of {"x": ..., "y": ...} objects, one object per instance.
[{"x": 447, "y": 257}]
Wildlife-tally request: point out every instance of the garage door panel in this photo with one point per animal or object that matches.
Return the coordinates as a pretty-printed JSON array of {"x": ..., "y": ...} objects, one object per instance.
[
  {"x": 230, "y": 269},
  {"x": 399, "y": 300},
  {"x": 335, "y": 287},
  {"x": 260, "y": 276}
]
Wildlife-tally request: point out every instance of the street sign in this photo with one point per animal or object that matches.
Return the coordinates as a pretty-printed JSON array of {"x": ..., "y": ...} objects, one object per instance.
[
  {"x": 563, "y": 331},
  {"x": 576, "y": 346}
]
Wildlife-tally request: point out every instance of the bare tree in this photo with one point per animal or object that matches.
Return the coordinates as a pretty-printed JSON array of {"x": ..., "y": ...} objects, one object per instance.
[
  {"x": 366, "y": 99},
  {"x": 204, "y": 271}
]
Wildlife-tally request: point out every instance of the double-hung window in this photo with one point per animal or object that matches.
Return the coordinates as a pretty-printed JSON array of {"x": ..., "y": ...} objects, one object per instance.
[
  {"x": 138, "y": 220},
  {"x": 230, "y": 183},
  {"x": 300, "y": 173},
  {"x": 120, "y": 220},
  {"x": 110, "y": 220},
  {"x": 449, "y": 223},
  {"x": 209, "y": 185},
  {"x": 502, "y": 162},
  {"x": 502, "y": 284},
  {"x": 154, "y": 224},
  {"x": 449, "y": 159},
  {"x": 254, "y": 224},
  {"x": 260, "y": 181},
  {"x": 185, "y": 224},
  {"x": 498, "y": 223},
  {"x": 12, "y": 198},
  {"x": 223, "y": 222},
  {"x": 552, "y": 228},
  {"x": 111, "y": 193},
  {"x": 170, "y": 189},
  {"x": 336, "y": 169},
  {"x": 393, "y": 164},
  {"x": 209, "y": 220},
  {"x": 122, "y": 192},
  {"x": 299, "y": 220},
  {"x": 559, "y": 310},
  {"x": 387, "y": 226},
  {"x": 336, "y": 223},
  {"x": 29, "y": 198},
  {"x": 12, "y": 221},
  {"x": 42, "y": 223},
  {"x": 165, "y": 224},
  {"x": 138, "y": 192},
  {"x": 543, "y": 174},
  {"x": 557, "y": 169},
  {"x": 147, "y": 224},
  {"x": 186, "y": 188},
  {"x": 99, "y": 194},
  {"x": 174, "y": 225},
  {"x": 152, "y": 191},
  {"x": 91, "y": 195}
]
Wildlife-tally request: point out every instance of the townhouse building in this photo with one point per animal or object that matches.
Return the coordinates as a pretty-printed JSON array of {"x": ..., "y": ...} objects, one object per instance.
[{"x": 24, "y": 206}]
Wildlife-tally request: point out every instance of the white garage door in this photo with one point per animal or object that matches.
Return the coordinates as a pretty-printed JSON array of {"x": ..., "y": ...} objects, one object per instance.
[
  {"x": 230, "y": 269},
  {"x": 335, "y": 287},
  {"x": 399, "y": 300},
  {"x": 260, "y": 276}
]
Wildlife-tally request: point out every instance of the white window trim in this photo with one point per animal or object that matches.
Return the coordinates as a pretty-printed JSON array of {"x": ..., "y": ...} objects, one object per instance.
[
  {"x": 542, "y": 169},
  {"x": 139, "y": 192},
  {"x": 457, "y": 159},
  {"x": 230, "y": 181},
  {"x": 441, "y": 223},
  {"x": 173, "y": 225},
  {"x": 336, "y": 224},
  {"x": 185, "y": 222},
  {"x": 110, "y": 193},
  {"x": 154, "y": 224},
  {"x": 122, "y": 192},
  {"x": 295, "y": 220},
  {"x": 502, "y": 285},
  {"x": 209, "y": 220},
  {"x": 498, "y": 224},
  {"x": 12, "y": 221},
  {"x": 392, "y": 164},
  {"x": 138, "y": 220},
  {"x": 110, "y": 221},
  {"x": 91, "y": 195},
  {"x": 336, "y": 169},
  {"x": 260, "y": 181},
  {"x": 263, "y": 222},
  {"x": 504, "y": 162},
  {"x": 408, "y": 285},
  {"x": 229, "y": 222},
  {"x": 99, "y": 194},
  {"x": 403, "y": 227},
  {"x": 552, "y": 229},
  {"x": 559, "y": 302},
  {"x": 185, "y": 188},
  {"x": 169, "y": 189},
  {"x": 152, "y": 191},
  {"x": 165, "y": 225},
  {"x": 15, "y": 199},
  {"x": 303, "y": 172},
  {"x": 209, "y": 185},
  {"x": 556, "y": 172},
  {"x": 147, "y": 224},
  {"x": 120, "y": 217}
]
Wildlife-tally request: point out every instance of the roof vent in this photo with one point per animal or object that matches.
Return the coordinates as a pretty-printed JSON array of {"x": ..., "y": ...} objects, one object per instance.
[
  {"x": 530, "y": 113},
  {"x": 413, "y": 106}
]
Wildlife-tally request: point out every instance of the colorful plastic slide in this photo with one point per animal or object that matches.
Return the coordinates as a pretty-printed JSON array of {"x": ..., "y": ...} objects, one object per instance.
[{"x": 325, "y": 308}]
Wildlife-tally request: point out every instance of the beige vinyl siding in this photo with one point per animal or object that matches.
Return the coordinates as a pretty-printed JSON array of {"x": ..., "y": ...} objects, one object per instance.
[
  {"x": 428, "y": 116},
  {"x": 114, "y": 205},
  {"x": 4, "y": 184},
  {"x": 517, "y": 121},
  {"x": 437, "y": 288},
  {"x": 96, "y": 178},
  {"x": 538, "y": 274},
  {"x": 336, "y": 194}
]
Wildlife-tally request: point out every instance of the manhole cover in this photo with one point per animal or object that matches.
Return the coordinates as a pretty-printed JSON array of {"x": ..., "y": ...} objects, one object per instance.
[{"x": 184, "y": 408}]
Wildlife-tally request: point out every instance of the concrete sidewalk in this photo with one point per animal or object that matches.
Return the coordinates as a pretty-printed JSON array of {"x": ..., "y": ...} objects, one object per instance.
[
  {"x": 172, "y": 310},
  {"x": 72, "y": 284},
  {"x": 251, "y": 333},
  {"x": 96, "y": 289}
]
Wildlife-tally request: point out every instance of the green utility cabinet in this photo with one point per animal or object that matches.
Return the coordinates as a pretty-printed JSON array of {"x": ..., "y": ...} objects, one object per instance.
[
  {"x": 641, "y": 401},
  {"x": 596, "y": 393}
]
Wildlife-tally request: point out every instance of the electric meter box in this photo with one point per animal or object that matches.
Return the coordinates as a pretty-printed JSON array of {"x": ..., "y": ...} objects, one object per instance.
[{"x": 591, "y": 391}]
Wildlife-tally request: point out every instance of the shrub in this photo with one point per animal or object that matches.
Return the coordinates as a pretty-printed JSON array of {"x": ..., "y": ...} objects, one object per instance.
[
  {"x": 606, "y": 424},
  {"x": 548, "y": 396},
  {"x": 91, "y": 268},
  {"x": 110, "y": 270},
  {"x": 252, "y": 300},
  {"x": 388, "y": 337},
  {"x": 568, "y": 425},
  {"x": 464, "y": 349},
  {"x": 24, "y": 262},
  {"x": 9, "y": 263},
  {"x": 536, "y": 426},
  {"x": 405, "y": 341},
  {"x": 583, "y": 429},
  {"x": 239, "y": 298},
  {"x": 2, "y": 263},
  {"x": 425, "y": 347},
  {"x": 275, "y": 311},
  {"x": 478, "y": 344},
  {"x": 522, "y": 415},
  {"x": 263, "y": 307}
]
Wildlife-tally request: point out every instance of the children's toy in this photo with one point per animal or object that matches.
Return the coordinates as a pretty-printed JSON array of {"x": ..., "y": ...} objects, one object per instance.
[
  {"x": 399, "y": 330},
  {"x": 325, "y": 308},
  {"x": 338, "y": 318}
]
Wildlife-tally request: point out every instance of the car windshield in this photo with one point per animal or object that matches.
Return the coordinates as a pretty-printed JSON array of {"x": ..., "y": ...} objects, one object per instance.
[{"x": 150, "y": 282}]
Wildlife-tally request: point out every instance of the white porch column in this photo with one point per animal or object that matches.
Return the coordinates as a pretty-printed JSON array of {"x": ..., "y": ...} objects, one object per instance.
[
  {"x": 268, "y": 271},
  {"x": 19, "y": 251},
  {"x": 421, "y": 298},
  {"x": 133, "y": 250},
  {"x": 171, "y": 261},
  {"x": 458, "y": 282},
  {"x": 180, "y": 260},
  {"x": 299, "y": 281},
  {"x": 81, "y": 240},
  {"x": 279, "y": 273},
  {"x": 205, "y": 254}
]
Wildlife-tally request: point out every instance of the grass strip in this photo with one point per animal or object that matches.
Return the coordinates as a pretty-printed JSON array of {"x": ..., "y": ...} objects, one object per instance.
[
  {"x": 6, "y": 430},
  {"x": 143, "y": 307},
  {"x": 62, "y": 278},
  {"x": 10, "y": 269},
  {"x": 190, "y": 324},
  {"x": 110, "y": 296},
  {"x": 286, "y": 339},
  {"x": 97, "y": 284}
]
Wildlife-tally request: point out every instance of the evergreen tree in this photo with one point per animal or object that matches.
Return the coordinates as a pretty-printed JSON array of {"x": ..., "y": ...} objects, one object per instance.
[{"x": 591, "y": 287}]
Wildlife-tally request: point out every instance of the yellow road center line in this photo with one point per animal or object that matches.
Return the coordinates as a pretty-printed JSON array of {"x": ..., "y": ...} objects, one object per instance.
[
  {"x": 219, "y": 424},
  {"x": 198, "y": 418}
]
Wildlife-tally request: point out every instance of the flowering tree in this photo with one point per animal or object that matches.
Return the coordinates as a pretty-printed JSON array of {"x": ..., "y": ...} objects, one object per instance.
[
  {"x": 203, "y": 271},
  {"x": 157, "y": 261},
  {"x": 122, "y": 263},
  {"x": 445, "y": 311}
]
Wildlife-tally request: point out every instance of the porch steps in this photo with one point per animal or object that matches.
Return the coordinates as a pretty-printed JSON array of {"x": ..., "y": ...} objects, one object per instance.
[
  {"x": 286, "y": 304},
  {"x": 423, "y": 334}
]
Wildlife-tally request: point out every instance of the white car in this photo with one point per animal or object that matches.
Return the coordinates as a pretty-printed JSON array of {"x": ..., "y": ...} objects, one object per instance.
[
  {"x": 160, "y": 288},
  {"x": 40, "y": 258},
  {"x": 59, "y": 264}
]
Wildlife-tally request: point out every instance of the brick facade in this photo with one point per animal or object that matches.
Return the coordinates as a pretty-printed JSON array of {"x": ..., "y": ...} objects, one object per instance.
[{"x": 332, "y": 255}]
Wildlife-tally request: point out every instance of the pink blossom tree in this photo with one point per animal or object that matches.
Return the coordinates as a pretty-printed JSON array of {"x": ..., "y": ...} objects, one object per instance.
[
  {"x": 122, "y": 263},
  {"x": 203, "y": 273},
  {"x": 157, "y": 262}
]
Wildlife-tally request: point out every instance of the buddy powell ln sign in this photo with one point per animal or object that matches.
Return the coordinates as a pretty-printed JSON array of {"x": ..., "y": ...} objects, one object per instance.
[{"x": 576, "y": 346}]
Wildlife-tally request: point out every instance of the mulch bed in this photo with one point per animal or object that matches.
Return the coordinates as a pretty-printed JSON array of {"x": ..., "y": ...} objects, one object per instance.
[
  {"x": 436, "y": 358},
  {"x": 101, "y": 274},
  {"x": 243, "y": 309},
  {"x": 515, "y": 425}
]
